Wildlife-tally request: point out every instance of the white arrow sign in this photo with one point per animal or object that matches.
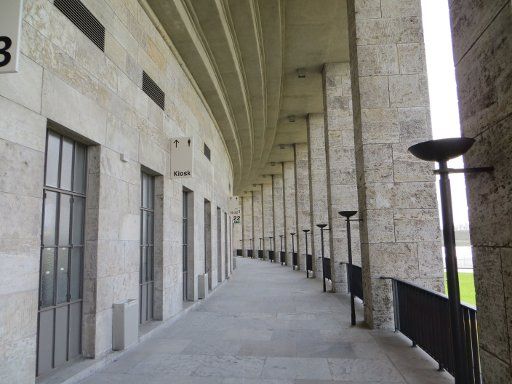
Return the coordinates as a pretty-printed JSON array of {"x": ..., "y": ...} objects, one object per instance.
[
  {"x": 181, "y": 157},
  {"x": 10, "y": 32}
]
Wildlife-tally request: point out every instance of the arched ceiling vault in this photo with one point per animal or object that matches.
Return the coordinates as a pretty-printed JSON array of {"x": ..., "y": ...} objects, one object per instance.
[{"x": 244, "y": 56}]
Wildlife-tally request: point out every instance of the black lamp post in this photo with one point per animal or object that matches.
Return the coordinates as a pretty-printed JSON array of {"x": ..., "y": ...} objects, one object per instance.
[
  {"x": 306, "y": 236},
  {"x": 347, "y": 215},
  {"x": 283, "y": 261},
  {"x": 271, "y": 249},
  {"x": 322, "y": 226},
  {"x": 441, "y": 151},
  {"x": 292, "y": 234}
]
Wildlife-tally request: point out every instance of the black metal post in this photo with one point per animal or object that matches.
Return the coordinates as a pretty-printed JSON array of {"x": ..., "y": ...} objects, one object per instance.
[
  {"x": 452, "y": 276},
  {"x": 322, "y": 226},
  {"x": 271, "y": 248},
  {"x": 347, "y": 215},
  {"x": 306, "y": 236},
  {"x": 441, "y": 151},
  {"x": 281, "y": 240},
  {"x": 292, "y": 234}
]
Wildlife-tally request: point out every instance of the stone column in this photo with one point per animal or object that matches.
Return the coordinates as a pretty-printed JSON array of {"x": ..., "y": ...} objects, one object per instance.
[
  {"x": 482, "y": 41},
  {"x": 400, "y": 234},
  {"x": 318, "y": 187},
  {"x": 257, "y": 200},
  {"x": 267, "y": 216},
  {"x": 302, "y": 197},
  {"x": 238, "y": 232},
  {"x": 279, "y": 226},
  {"x": 289, "y": 207},
  {"x": 248, "y": 221},
  {"x": 341, "y": 168}
]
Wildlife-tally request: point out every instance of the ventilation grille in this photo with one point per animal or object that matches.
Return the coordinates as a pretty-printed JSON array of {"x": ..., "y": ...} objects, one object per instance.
[
  {"x": 153, "y": 90},
  {"x": 79, "y": 15},
  {"x": 207, "y": 151}
]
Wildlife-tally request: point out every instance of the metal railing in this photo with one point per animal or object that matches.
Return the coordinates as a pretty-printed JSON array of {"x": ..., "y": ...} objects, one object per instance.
[
  {"x": 271, "y": 256},
  {"x": 356, "y": 285},
  {"x": 282, "y": 257},
  {"x": 326, "y": 265},
  {"x": 260, "y": 254},
  {"x": 309, "y": 264},
  {"x": 239, "y": 252},
  {"x": 295, "y": 259},
  {"x": 423, "y": 316},
  {"x": 249, "y": 253}
]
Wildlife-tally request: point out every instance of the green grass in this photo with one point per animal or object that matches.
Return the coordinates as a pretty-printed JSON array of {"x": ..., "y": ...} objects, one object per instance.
[{"x": 467, "y": 287}]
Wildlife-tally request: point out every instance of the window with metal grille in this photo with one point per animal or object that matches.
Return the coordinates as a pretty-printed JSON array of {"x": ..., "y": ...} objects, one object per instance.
[
  {"x": 147, "y": 254},
  {"x": 79, "y": 15},
  {"x": 62, "y": 252},
  {"x": 207, "y": 152},
  {"x": 152, "y": 90}
]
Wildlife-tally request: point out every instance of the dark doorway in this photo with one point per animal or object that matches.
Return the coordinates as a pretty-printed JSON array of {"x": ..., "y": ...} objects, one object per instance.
[
  {"x": 186, "y": 196},
  {"x": 208, "y": 241},
  {"x": 219, "y": 245},
  {"x": 226, "y": 249}
]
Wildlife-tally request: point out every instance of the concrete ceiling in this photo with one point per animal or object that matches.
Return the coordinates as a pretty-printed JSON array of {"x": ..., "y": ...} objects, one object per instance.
[{"x": 243, "y": 56}]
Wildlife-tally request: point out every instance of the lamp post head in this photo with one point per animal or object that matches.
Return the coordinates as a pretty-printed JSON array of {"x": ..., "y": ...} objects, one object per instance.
[
  {"x": 321, "y": 226},
  {"x": 347, "y": 214},
  {"x": 281, "y": 236},
  {"x": 292, "y": 233},
  {"x": 442, "y": 149},
  {"x": 305, "y": 230}
]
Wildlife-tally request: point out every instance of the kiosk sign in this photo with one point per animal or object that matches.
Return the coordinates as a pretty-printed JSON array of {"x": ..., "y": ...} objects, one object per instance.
[
  {"x": 10, "y": 32},
  {"x": 181, "y": 157}
]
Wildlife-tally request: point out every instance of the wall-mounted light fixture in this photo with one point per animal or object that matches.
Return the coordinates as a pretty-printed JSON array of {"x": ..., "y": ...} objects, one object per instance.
[
  {"x": 291, "y": 118},
  {"x": 301, "y": 73},
  {"x": 441, "y": 151}
]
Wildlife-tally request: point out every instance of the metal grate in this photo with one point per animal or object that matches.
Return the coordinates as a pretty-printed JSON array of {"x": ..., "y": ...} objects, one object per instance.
[
  {"x": 207, "y": 152},
  {"x": 79, "y": 15},
  {"x": 153, "y": 90}
]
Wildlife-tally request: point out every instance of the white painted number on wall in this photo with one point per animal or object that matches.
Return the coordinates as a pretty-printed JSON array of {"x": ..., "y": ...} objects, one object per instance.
[{"x": 10, "y": 31}]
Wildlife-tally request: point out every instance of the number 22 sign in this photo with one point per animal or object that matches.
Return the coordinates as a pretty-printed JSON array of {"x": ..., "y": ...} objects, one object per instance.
[{"x": 10, "y": 31}]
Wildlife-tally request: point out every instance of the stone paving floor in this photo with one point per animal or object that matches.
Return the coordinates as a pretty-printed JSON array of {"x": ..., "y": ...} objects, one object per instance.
[{"x": 270, "y": 325}]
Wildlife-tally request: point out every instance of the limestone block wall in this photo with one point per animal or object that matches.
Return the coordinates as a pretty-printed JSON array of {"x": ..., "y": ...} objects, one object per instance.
[
  {"x": 482, "y": 42},
  {"x": 238, "y": 229},
  {"x": 277, "y": 186},
  {"x": 289, "y": 208},
  {"x": 268, "y": 216},
  {"x": 248, "y": 220},
  {"x": 257, "y": 206},
  {"x": 341, "y": 167},
  {"x": 96, "y": 97},
  {"x": 302, "y": 200},
  {"x": 400, "y": 234},
  {"x": 318, "y": 187}
]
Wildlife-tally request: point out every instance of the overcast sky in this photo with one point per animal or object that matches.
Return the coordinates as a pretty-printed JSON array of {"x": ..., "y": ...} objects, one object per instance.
[{"x": 443, "y": 91}]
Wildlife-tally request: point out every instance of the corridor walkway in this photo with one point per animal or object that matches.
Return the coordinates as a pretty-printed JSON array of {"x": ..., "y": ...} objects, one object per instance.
[{"x": 271, "y": 325}]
